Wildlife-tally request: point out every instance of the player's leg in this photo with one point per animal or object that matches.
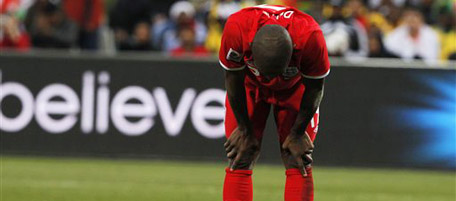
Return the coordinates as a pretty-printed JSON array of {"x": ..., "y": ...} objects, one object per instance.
[
  {"x": 238, "y": 182},
  {"x": 258, "y": 113},
  {"x": 297, "y": 187}
]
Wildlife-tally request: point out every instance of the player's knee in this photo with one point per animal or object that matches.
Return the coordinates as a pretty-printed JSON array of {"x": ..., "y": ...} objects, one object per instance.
[
  {"x": 248, "y": 158},
  {"x": 290, "y": 162}
]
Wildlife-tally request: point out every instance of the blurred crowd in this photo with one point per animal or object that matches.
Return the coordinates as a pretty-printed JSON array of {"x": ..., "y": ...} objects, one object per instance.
[{"x": 407, "y": 29}]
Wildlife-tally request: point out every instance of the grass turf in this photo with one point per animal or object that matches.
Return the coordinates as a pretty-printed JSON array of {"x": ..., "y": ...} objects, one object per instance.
[{"x": 58, "y": 179}]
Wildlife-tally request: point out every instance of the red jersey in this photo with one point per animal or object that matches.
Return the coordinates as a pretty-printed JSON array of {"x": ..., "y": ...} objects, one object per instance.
[
  {"x": 310, "y": 56},
  {"x": 198, "y": 51}
]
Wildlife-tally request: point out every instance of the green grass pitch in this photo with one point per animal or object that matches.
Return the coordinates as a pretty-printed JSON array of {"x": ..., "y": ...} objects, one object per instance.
[{"x": 59, "y": 179}]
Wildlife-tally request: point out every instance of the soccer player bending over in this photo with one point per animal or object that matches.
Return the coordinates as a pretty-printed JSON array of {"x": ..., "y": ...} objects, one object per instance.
[{"x": 274, "y": 57}]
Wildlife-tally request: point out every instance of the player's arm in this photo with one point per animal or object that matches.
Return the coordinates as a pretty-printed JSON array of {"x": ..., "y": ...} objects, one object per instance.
[
  {"x": 309, "y": 104},
  {"x": 298, "y": 143},
  {"x": 241, "y": 145},
  {"x": 314, "y": 68},
  {"x": 231, "y": 59},
  {"x": 235, "y": 89}
]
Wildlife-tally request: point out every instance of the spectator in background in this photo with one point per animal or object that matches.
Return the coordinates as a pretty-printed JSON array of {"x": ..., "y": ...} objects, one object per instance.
[
  {"x": 249, "y": 3},
  {"x": 359, "y": 24},
  {"x": 188, "y": 46},
  {"x": 12, "y": 31},
  {"x": 23, "y": 8},
  {"x": 140, "y": 40},
  {"x": 49, "y": 27},
  {"x": 182, "y": 14},
  {"x": 391, "y": 10},
  {"x": 130, "y": 20},
  {"x": 447, "y": 32},
  {"x": 292, "y": 3},
  {"x": 218, "y": 13},
  {"x": 376, "y": 47},
  {"x": 226, "y": 8},
  {"x": 377, "y": 26},
  {"x": 426, "y": 9},
  {"x": 413, "y": 39},
  {"x": 344, "y": 36},
  {"x": 357, "y": 12},
  {"x": 381, "y": 24},
  {"x": 88, "y": 15}
]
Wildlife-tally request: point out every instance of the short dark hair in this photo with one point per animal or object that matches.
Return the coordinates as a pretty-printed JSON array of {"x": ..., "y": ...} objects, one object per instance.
[{"x": 272, "y": 48}]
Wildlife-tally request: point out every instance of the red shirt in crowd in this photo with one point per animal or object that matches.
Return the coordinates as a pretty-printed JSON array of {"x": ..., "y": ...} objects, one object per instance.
[
  {"x": 198, "y": 51},
  {"x": 89, "y": 19}
]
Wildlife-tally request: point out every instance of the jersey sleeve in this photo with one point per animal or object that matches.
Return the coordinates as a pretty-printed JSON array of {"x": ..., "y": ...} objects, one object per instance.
[
  {"x": 315, "y": 62},
  {"x": 231, "y": 55}
]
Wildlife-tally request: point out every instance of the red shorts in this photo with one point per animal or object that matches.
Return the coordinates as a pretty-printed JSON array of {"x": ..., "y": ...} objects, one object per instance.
[{"x": 285, "y": 105}]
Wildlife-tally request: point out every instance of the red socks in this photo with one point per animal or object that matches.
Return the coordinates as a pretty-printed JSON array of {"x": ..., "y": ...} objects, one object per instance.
[
  {"x": 298, "y": 188},
  {"x": 238, "y": 185}
]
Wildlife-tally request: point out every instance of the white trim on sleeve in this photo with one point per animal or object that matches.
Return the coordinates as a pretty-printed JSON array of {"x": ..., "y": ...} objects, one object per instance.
[
  {"x": 316, "y": 77},
  {"x": 231, "y": 69}
]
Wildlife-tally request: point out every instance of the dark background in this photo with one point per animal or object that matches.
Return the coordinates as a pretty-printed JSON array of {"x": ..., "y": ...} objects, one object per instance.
[{"x": 358, "y": 125}]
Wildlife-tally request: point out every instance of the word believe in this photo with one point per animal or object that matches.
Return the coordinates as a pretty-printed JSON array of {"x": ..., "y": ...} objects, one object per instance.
[{"x": 95, "y": 110}]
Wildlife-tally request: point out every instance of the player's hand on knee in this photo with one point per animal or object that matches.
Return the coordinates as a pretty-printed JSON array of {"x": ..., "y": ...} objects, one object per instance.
[
  {"x": 233, "y": 143},
  {"x": 300, "y": 148},
  {"x": 241, "y": 147}
]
